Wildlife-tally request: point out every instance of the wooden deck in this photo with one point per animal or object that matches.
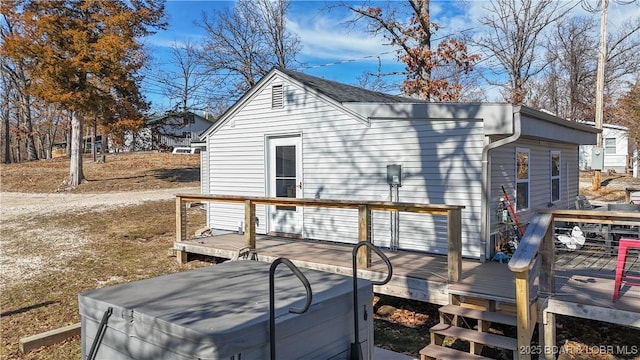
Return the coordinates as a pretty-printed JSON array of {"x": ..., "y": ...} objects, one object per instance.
[
  {"x": 582, "y": 278},
  {"x": 578, "y": 283},
  {"x": 417, "y": 276},
  {"x": 584, "y": 288}
]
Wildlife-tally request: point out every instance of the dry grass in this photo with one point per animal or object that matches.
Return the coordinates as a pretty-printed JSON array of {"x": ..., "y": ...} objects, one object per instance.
[
  {"x": 113, "y": 246},
  {"x": 611, "y": 186},
  {"x": 120, "y": 172},
  {"x": 59, "y": 256}
]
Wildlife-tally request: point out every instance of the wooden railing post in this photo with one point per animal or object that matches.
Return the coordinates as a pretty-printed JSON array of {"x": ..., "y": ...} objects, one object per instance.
[
  {"x": 454, "y": 253},
  {"x": 364, "y": 234},
  {"x": 181, "y": 228},
  {"x": 523, "y": 314},
  {"x": 547, "y": 268},
  {"x": 546, "y": 281},
  {"x": 181, "y": 219},
  {"x": 528, "y": 262},
  {"x": 250, "y": 224}
]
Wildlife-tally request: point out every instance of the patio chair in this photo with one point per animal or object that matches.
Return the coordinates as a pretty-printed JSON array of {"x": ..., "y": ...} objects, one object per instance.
[
  {"x": 622, "y": 277},
  {"x": 582, "y": 203}
]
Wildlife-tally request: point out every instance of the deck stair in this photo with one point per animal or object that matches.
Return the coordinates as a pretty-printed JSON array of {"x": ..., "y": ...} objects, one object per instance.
[{"x": 453, "y": 319}]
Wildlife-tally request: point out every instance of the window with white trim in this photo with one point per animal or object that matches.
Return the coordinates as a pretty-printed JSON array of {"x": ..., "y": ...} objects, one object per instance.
[
  {"x": 522, "y": 178},
  {"x": 610, "y": 145},
  {"x": 555, "y": 175}
]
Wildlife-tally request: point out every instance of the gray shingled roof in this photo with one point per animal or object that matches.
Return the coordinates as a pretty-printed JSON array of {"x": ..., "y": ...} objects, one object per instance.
[{"x": 344, "y": 93}]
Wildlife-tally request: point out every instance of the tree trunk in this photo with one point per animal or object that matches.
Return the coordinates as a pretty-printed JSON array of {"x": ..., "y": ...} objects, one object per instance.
[
  {"x": 94, "y": 148},
  {"x": 67, "y": 135},
  {"x": 76, "y": 176},
  {"x": 32, "y": 154},
  {"x": 7, "y": 136}
]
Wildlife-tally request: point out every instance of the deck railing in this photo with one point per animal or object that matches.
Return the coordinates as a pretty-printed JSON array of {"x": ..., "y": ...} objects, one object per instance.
[
  {"x": 452, "y": 212},
  {"x": 535, "y": 260}
]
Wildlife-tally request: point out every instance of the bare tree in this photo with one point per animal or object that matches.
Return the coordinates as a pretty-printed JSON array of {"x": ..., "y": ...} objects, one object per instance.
[
  {"x": 513, "y": 38},
  {"x": 273, "y": 17},
  {"x": 577, "y": 50},
  {"x": 17, "y": 70},
  {"x": 627, "y": 112},
  {"x": 413, "y": 38},
  {"x": 566, "y": 86},
  {"x": 185, "y": 84},
  {"x": 243, "y": 44},
  {"x": 549, "y": 91},
  {"x": 5, "y": 114},
  {"x": 622, "y": 57}
]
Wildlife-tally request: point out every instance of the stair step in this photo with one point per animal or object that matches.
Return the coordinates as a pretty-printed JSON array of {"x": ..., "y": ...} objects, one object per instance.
[
  {"x": 493, "y": 340},
  {"x": 441, "y": 352},
  {"x": 453, "y": 289},
  {"x": 479, "y": 314}
]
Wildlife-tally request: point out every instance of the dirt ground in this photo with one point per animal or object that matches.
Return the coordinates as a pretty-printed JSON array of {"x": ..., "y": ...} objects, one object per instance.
[{"x": 56, "y": 241}]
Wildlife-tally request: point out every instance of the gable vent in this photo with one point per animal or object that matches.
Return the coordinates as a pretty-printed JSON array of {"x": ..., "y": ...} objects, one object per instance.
[{"x": 277, "y": 96}]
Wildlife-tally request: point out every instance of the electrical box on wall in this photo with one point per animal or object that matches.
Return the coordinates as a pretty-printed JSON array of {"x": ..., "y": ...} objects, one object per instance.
[
  {"x": 597, "y": 158},
  {"x": 394, "y": 174}
]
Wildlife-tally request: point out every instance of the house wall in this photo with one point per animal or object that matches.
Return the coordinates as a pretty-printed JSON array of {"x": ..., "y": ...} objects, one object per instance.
[
  {"x": 503, "y": 173},
  {"x": 440, "y": 162},
  {"x": 344, "y": 158},
  {"x": 612, "y": 161}
]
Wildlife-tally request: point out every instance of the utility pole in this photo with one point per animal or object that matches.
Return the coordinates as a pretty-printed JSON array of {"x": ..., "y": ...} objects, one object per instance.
[{"x": 602, "y": 59}]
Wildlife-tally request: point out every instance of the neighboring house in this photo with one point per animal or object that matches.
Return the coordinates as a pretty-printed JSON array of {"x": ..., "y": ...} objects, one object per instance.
[
  {"x": 295, "y": 135},
  {"x": 167, "y": 131},
  {"x": 617, "y": 154},
  {"x": 59, "y": 149}
]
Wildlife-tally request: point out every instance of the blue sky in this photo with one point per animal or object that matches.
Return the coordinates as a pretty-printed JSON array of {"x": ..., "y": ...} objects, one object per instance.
[{"x": 329, "y": 49}]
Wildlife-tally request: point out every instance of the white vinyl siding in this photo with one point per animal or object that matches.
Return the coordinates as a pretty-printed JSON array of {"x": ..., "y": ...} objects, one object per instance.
[
  {"x": 503, "y": 174},
  {"x": 345, "y": 159},
  {"x": 616, "y": 145},
  {"x": 350, "y": 163}
]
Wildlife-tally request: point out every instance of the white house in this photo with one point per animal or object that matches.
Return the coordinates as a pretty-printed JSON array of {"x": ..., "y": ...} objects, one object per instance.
[
  {"x": 167, "y": 131},
  {"x": 295, "y": 135},
  {"x": 615, "y": 141}
]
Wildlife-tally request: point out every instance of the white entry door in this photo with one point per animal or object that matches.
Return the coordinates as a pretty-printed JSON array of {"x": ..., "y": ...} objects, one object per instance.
[{"x": 285, "y": 180}]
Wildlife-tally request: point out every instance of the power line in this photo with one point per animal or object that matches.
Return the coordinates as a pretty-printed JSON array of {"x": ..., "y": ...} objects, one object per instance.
[{"x": 338, "y": 62}]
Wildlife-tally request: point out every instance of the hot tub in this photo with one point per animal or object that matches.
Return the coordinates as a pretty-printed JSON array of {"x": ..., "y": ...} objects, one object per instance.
[{"x": 222, "y": 312}]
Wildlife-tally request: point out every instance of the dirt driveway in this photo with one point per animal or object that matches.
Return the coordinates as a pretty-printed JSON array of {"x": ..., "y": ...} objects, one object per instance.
[
  {"x": 13, "y": 205},
  {"x": 19, "y": 211}
]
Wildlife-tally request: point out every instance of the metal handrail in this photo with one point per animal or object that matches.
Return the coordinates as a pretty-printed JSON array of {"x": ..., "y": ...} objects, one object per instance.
[
  {"x": 356, "y": 350},
  {"x": 101, "y": 329},
  {"x": 272, "y": 311}
]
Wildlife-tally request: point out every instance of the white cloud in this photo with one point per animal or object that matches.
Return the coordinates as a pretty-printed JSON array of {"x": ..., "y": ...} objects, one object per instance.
[{"x": 326, "y": 37}]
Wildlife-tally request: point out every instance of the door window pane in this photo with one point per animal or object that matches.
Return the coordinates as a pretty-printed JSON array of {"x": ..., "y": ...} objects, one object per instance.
[
  {"x": 285, "y": 161},
  {"x": 286, "y": 174},
  {"x": 286, "y": 188}
]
